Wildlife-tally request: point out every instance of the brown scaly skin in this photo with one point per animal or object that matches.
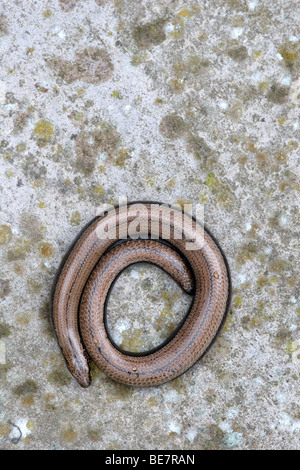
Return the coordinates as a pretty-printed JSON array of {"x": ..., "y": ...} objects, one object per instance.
[{"x": 83, "y": 286}]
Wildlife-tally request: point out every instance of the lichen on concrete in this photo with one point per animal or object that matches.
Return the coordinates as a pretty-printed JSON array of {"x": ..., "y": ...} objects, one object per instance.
[{"x": 180, "y": 101}]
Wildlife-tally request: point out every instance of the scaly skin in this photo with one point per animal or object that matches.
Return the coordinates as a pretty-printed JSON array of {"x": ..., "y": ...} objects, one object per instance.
[{"x": 92, "y": 265}]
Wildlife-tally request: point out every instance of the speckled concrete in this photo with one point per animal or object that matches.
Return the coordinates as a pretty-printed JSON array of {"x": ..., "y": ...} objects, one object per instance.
[{"x": 171, "y": 101}]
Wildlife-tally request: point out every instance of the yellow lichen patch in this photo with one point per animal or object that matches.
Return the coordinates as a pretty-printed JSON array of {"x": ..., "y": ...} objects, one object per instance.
[
  {"x": 37, "y": 183},
  {"x": 203, "y": 198},
  {"x": 28, "y": 440},
  {"x": 279, "y": 265},
  {"x": 183, "y": 204},
  {"x": 224, "y": 197},
  {"x": 179, "y": 385},
  {"x": 235, "y": 111},
  {"x": 81, "y": 91},
  {"x": 47, "y": 13},
  {"x": 68, "y": 433},
  {"x": 9, "y": 173},
  {"x": 242, "y": 159},
  {"x": 287, "y": 184},
  {"x": 249, "y": 146},
  {"x": 3, "y": 25},
  {"x": 75, "y": 218},
  {"x": 104, "y": 140},
  {"x": 262, "y": 86},
  {"x": 178, "y": 27},
  {"x": 186, "y": 13},
  {"x": 28, "y": 400},
  {"x": 212, "y": 181},
  {"x": 149, "y": 34},
  {"x": 152, "y": 401},
  {"x": 262, "y": 158},
  {"x": 113, "y": 446},
  {"x": 78, "y": 116},
  {"x": 99, "y": 191},
  {"x": 262, "y": 281},
  {"x": 34, "y": 285},
  {"x": 291, "y": 347},
  {"x": 23, "y": 319},
  {"x": 116, "y": 94},
  {"x": 169, "y": 298},
  {"x": 281, "y": 156},
  {"x": 165, "y": 322},
  {"x": 198, "y": 147},
  {"x": 101, "y": 168},
  {"x": 292, "y": 281},
  {"x": 5, "y": 329},
  {"x": 202, "y": 36},
  {"x": 180, "y": 18},
  {"x": 177, "y": 85},
  {"x": 247, "y": 253},
  {"x": 5, "y": 429},
  {"x": 41, "y": 205},
  {"x": 253, "y": 321},
  {"x": 171, "y": 183},
  {"x": 67, "y": 182},
  {"x": 46, "y": 250},
  {"x": 228, "y": 323},
  {"x": 5, "y": 234},
  {"x": 151, "y": 180},
  {"x": 43, "y": 132},
  {"x": 256, "y": 54},
  {"x": 290, "y": 53},
  {"x": 21, "y": 147},
  {"x": 237, "y": 301},
  {"x": 237, "y": 21},
  {"x": 254, "y": 230},
  {"x": 172, "y": 126},
  {"x": 19, "y": 251},
  {"x": 281, "y": 120},
  {"x": 95, "y": 372},
  {"x": 132, "y": 340},
  {"x": 31, "y": 425},
  {"x": 139, "y": 58},
  {"x": 121, "y": 157}
]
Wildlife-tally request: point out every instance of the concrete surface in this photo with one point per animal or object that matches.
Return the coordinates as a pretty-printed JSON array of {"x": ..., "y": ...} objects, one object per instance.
[{"x": 171, "y": 101}]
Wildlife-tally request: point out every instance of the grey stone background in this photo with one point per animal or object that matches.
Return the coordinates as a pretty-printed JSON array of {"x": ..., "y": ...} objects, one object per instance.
[{"x": 175, "y": 101}]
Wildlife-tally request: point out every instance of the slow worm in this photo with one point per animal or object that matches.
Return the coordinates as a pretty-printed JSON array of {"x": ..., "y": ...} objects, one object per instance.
[{"x": 93, "y": 263}]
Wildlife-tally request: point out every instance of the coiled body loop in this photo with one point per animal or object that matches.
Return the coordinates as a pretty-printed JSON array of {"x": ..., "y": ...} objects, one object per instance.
[{"x": 87, "y": 275}]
